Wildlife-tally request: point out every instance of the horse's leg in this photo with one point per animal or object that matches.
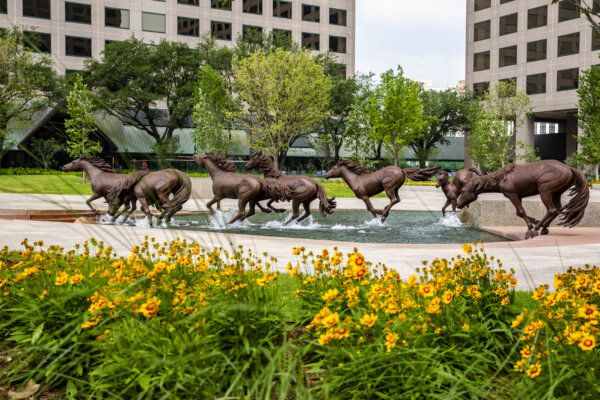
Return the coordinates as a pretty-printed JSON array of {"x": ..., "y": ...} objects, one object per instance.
[
  {"x": 448, "y": 201},
  {"x": 241, "y": 209},
  {"x": 516, "y": 200},
  {"x": 277, "y": 210},
  {"x": 266, "y": 210},
  {"x": 295, "y": 212},
  {"x": 89, "y": 203},
  {"x": 370, "y": 207},
  {"x": 131, "y": 208},
  {"x": 393, "y": 196},
  {"x": 251, "y": 209},
  {"x": 306, "y": 206},
  {"x": 211, "y": 202},
  {"x": 146, "y": 209},
  {"x": 552, "y": 203}
]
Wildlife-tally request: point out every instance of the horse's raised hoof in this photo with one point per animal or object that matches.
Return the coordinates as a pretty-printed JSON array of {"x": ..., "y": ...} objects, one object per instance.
[
  {"x": 383, "y": 218},
  {"x": 544, "y": 231},
  {"x": 531, "y": 234}
]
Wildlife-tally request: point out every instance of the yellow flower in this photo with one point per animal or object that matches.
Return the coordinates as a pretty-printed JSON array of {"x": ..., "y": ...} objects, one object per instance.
[
  {"x": 588, "y": 342},
  {"x": 447, "y": 297},
  {"x": 342, "y": 333},
  {"x": 588, "y": 311},
  {"x": 326, "y": 337},
  {"x": 390, "y": 340},
  {"x": 526, "y": 352},
  {"x": 426, "y": 290},
  {"x": 262, "y": 280},
  {"x": 331, "y": 320},
  {"x": 467, "y": 248},
  {"x": 582, "y": 280},
  {"x": 520, "y": 364},
  {"x": 368, "y": 320},
  {"x": 150, "y": 307},
  {"x": 505, "y": 301},
  {"x": 538, "y": 293},
  {"x": 534, "y": 370},
  {"x": 75, "y": 278},
  {"x": 62, "y": 278},
  {"x": 465, "y": 327},
  {"x": 330, "y": 295}
]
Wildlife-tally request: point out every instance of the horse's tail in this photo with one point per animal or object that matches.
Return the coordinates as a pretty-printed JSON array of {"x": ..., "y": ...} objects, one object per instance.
[
  {"x": 183, "y": 192},
  {"x": 125, "y": 185},
  {"x": 326, "y": 205},
  {"x": 420, "y": 174},
  {"x": 275, "y": 190},
  {"x": 572, "y": 213},
  {"x": 475, "y": 170}
]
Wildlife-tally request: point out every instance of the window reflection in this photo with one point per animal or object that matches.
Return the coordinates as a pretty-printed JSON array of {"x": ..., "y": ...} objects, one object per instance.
[
  {"x": 252, "y": 7},
  {"x": 537, "y": 17},
  {"x": 508, "y": 56},
  {"x": 311, "y": 41},
  {"x": 152, "y": 22},
  {"x": 508, "y": 24},
  {"x": 282, "y": 9},
  {"x": 75, "y": 12},
  {"x": 568, "y": 44},
  {"x": 116, "y": 17},
  {"x": 567, "y": 11},
  {"x": 78, "y": 46},
  {"x": 311, "y": 13},
  {"x": 536, "y": 50},
  {"x": 36, "y": 8},
  {"x": 220, "y": 30},
  {"x": 337, "y": 17},
  {"x": 481, "y": 4},
  {"x": 223, "y": 5},
  {"x": 482, "y": 30},
  {"x": 38, "y": 42},
  {"x": 481, "y": 61},
  {"x": 188, "y": 26},
  {"x": 481, "y": 88},
  {"x": 536, "y": 84},
  {"x": 567, "y": 79},
  {"x": 337, "y": 44}
]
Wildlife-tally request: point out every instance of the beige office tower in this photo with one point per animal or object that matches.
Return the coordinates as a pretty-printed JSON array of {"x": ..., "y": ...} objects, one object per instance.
[
  {"x": 544, "y": 47},
  {"x": 72, "y": 31}
]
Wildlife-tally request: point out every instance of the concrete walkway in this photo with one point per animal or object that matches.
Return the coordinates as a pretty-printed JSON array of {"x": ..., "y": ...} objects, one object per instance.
[{"x": 535, "y": 261}]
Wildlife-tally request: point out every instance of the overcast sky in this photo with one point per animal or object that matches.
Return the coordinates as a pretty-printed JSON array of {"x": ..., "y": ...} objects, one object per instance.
[{"x": 425, "y": 37}]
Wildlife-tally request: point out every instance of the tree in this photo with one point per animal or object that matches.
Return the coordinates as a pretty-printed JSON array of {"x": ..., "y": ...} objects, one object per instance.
[
  {"x": 24, "y": 84},
  {"x": 443, "y": 112},
  {"x": 148, "y": 86},
  {"x": 589, "y": 117},
  {"x": 80, "y": 105},
  {"x": 395, "y": 111},
  {"x": 46, "y": 149},
  {"x": 286, "y": 94}
]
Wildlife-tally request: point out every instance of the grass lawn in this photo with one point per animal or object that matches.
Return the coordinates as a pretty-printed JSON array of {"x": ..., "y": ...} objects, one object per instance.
[{"x": 44, "y": 184}]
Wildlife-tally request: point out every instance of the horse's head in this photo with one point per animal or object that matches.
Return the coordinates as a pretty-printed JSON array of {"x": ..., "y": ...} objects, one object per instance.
[
  {"x": 254, "y": 161},
  {"x": 334, "y": 172},
  {"x": 74, "y": 165},
  {"x": 442, "y": 179},
  {"x": 200, "y": 160},
  {"x": 468, "y": 194}
]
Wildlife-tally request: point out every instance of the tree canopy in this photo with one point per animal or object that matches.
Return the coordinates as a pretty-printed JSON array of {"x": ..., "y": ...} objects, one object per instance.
[{"x": 589, "y": 117}]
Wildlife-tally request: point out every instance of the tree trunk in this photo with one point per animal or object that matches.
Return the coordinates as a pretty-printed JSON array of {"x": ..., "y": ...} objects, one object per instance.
[
  {"x": 422, "y": 163},
  {"x": 597, "y": 172},
  {"x": 395, "y": 154}
]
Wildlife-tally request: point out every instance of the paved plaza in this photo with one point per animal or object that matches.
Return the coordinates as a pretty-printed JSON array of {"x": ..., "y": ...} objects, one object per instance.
[{"x": 535, "y": 261}]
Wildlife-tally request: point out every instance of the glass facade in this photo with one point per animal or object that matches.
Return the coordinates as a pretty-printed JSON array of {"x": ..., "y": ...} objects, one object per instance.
[
  {"x": 3, "y": 7},
  {"x": 567, "y": 79},
  {"x": 505, "y": 1},
  {"x": 116, "y": 17},
  {"x": 482, "y": 4},
  {"x": 337, "y": 17},
  {"x": 38, "y": 42},
  {"x": 220, "y": 4},
  {"x": 567, "y": 11},
  {"x": 568, "y": 44},
  {"x": 537, "y": 17},
  {"x": 480, "y": 88},
  {"x": 282, "y": 9},
  {"x": 595, "y": 41},
  {"x": 78, "y": 46},
  {"x": 152, "y": 22},
  {"x": 311, "y": 13},
  {"x": 481, "y": 61},
  {"x": 76, "y": 12},
  {"x": 252, "y": 7},
  {"x": 536, "y": 84},
  {"x": 508, "y": 24},
  {"x": 337, "y": 44},
  {"x": 311, "y": 41},
  {"x": 482, "y": 30},
  {"x": 508, "y": 56},
  {"x": 220, "y": 30},
  {"x": 189, "y": 2},
  {"x": 188, "y": 26},
  {"x": 36, "y": 8},
  {"x": 537, "y": 50}
]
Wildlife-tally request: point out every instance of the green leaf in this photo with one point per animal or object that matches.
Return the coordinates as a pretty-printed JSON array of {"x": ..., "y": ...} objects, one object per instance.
[
  {"x": 37, "y": 333},
  {"x": 144, "y": 381}
]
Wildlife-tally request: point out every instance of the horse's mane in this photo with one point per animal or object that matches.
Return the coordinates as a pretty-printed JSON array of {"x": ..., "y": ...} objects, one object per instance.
[
  {"x": 491, "y": 180},
  {"x": 221, "y": 162},
  {"x": 97, "y": 162},
  {"x": 354, "y": 167},
  {"x": 266, "y": 165}
]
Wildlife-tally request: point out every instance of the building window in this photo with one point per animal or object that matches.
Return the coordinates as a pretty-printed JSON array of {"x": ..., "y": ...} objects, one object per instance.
[
  {"x": 481, "y": 61},
  {"x": 252, "y": 7},
  {"x": 567, "y": 79},
  {"x": 220, "y": 4},
  {"x": 508, "y": 56},
  {"x": 188, "y": 26},
  {"x": 189, "y": 2},
  {"x": 536, "y": 50},
  {"x": 36, "y": 8},
  {"x": 537, "y": 17},
  {"x": 3, "y": 7},
  {"x": 505, "y": 1},
  {"x": 152, "y": 22},
  {"x": 337, "y": 17},
  {"x": 38, "y": 42},
  {"x": 220, "y": 30},
  {"x": 250, "y": 32},
  {"x": 75, "y": 12},
  {"x": 116, "y": 17},
  {"x": 282, "y": 9},
  {"x": 568, "y": 44},
  {"x": 536, "y": 83},
  {"x": 311, "y": 13},
  {"x": 481, "y": 88},
  {"x": 78, "y": 46},
  {"x": 311, "y": 41},
  {"x": 595, "y": 41},
  {"x": 508, "y": 24},
  {"x": 482, "y": 4},
  {"x": 337, "y": 44},
  {"x": 552, "y": 129},
  {"x": 108, "y": 41},
  {"x": 567, "y": 11},
  {"x": 482, "y": 30}
]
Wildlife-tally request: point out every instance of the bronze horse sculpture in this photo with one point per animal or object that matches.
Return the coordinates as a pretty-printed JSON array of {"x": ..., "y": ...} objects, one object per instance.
[
  {"x": 452, "y": 190},
  {"x": 304, "y": 189},
  {"x": 106, "y": 182},
  {"x": 388, "y": 179},
  {"x": 248, "y": 189},
  {"x": 548, "y": 178}
]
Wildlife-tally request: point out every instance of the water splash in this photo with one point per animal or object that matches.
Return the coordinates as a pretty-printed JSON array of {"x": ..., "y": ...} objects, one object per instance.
[
  {"x": 220, "y": 220},
  {"x": 451, "y": 220},
  {"x": 307, "y": 224},
  {"x": 375, "y": 222}
]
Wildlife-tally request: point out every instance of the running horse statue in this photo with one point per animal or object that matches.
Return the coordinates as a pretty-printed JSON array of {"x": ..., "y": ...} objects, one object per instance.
[
  {"x": 452, "y": 190},
  {"x": 548, "y": 178},
  {"x": 106, "y": 182},
  {"x": 388, "y": 179},
  {"x": 248, "y": 189},
  {"x": 304, "y": 189}
]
